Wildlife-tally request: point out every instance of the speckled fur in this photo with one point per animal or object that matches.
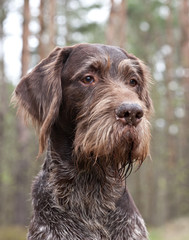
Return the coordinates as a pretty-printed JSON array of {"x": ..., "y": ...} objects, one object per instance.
[{"x": 80, "y": 192}]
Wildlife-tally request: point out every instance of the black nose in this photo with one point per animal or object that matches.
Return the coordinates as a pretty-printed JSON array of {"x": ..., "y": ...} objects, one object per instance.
[{"x": 129, "y": 113}]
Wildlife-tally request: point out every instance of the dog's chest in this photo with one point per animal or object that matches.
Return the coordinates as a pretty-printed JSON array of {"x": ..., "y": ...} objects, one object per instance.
[{"x": 82, "y": 212}]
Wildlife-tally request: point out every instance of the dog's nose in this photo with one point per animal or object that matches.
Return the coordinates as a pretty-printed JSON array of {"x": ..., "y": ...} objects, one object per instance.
[{"x": 129, "y": 113}]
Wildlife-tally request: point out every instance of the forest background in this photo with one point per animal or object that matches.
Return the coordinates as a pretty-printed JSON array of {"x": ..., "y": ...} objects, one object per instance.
[{"x": 156, "y": 31}]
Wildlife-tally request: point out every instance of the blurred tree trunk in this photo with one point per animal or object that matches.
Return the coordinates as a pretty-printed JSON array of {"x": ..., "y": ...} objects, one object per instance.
[
  {"x": 67, "y": 24},
  {"x": 52, "y": 9},
  {"x": 3, "y": 92},
  {"x": 116, "y": 29},
  {"x": 3, "y": 111},
  {"x": 25, "y": 48},
  {"x": 184, "y": 23},
  {"x": 21, "y": 167},
  {"x": 170, "y": 148},
  {"x": 42, "y": 52},
  {"x": 3, "y": 102},
  {"x": 47, "y": 32}
]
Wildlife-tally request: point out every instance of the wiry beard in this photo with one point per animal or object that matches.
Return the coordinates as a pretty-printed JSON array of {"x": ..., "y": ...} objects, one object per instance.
[
  {"x": 102, "y": 140},
  {"x": 113, "y": 148}
]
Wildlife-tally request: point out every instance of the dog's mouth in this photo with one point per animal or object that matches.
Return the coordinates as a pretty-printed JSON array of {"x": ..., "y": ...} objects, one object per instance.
[
  {"x": 130, "y": 148},
  {"x": 130, "y": 135},
  {"x": 111, "y": 143},
  {"x": 129, "y": 132}
]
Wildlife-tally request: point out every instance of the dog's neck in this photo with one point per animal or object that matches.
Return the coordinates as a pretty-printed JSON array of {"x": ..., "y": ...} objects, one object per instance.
[
  {"x": 64, "y": 178},
  {"x": 60, "y": 152},
  {"x": 61, "y": 142},
  {"x": 60, "y": 163}
]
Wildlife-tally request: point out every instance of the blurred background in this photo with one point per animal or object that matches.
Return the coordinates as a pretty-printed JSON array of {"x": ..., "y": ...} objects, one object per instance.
[{"x": 156, "y": 31}]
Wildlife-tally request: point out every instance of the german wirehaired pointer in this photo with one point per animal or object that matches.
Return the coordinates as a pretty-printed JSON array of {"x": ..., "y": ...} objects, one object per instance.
[{"x": 91, "y": 105}]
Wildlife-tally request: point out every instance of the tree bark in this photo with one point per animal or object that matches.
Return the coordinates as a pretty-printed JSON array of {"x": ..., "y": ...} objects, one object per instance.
[
  {"x": 25, "y": 48},
  {"x": 116, "y": 29},
  {"x": 3, "y": 111},
  {"x": 42, "y": 52},
  {"x": 21, "y": 168},
  {"x": 52, "y": 8},
  {"x": 171, "y": 146},
  {"x": 184, "y": 24}
]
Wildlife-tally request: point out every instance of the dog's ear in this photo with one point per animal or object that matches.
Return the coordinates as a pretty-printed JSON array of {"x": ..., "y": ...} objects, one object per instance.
[{"x": 39, "y": 93}]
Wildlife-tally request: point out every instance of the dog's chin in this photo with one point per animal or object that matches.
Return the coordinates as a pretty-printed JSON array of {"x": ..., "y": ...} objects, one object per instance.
[
  {"x": 128, "y": 138},
  {"x": 114, "y": 145},
  {"x": 130, "y": 134},
  {"x": 132, "y": 146}
]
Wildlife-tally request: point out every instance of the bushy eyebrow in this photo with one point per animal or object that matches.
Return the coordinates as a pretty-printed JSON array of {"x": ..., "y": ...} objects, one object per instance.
[
  {"x": 100, "y": 64},
  {"x": 129, "y": 67}
]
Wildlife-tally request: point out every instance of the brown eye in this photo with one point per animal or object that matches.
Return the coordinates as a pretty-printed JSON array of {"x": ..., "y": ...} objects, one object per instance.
[
  {"x": 133, "y": 82},
  {"x": 88, "y": 80}
]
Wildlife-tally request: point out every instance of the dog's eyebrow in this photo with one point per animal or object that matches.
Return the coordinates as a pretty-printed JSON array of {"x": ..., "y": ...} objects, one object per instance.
[
  {"x": 100, "y": 63},
  {"x": 129, "y": 66}
]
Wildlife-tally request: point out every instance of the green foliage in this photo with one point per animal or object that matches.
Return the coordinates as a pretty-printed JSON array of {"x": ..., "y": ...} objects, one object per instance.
[
  {"x": 174, "y": 230},
  {"x": 75, "y": 26},
  {"x": 12, "y": 232},
  {"x": 155, "y": 234}
]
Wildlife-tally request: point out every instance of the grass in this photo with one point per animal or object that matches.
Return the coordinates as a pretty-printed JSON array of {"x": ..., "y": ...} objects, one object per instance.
[
  {"x": 174, "y": 230},
  {"x": 13, "y": 233},
  {"x": 156, "y": 234}
]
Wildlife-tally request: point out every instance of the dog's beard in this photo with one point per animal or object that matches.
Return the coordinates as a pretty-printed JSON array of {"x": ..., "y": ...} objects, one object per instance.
[{"x": 109, "y": 144}]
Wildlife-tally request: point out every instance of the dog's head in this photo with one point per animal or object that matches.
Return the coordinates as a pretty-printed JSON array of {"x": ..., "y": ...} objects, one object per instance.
[{"x": 99, "y": 94}]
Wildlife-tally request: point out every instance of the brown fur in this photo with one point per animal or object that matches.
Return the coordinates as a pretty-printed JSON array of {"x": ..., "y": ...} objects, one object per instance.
[
  {"x": 79, "y": 193},
  {"x": 38, "y": 95}
]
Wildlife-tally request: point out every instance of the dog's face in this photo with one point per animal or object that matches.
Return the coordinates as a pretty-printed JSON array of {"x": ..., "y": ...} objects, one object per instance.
[{"x": 100, "y": 94}]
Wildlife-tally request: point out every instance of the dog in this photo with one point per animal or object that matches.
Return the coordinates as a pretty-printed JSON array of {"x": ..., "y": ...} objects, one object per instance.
[{"x": 91, "y": 106}]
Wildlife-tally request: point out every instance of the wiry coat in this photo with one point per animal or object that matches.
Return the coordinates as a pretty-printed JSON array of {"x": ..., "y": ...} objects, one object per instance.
[{"x": 75, "y": 97}]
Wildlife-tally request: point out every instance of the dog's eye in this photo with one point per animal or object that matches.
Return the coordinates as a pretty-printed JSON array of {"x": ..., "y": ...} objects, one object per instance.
[
  {"x": 133, "y": 82},
  {"x": 88, "y": 80}
]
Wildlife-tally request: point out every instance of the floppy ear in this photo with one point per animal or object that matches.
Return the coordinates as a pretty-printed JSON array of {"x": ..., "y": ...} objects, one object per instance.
[{"x": 39, "y": 93}]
